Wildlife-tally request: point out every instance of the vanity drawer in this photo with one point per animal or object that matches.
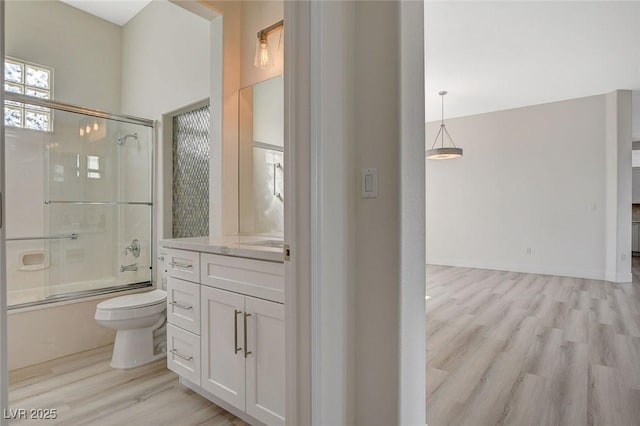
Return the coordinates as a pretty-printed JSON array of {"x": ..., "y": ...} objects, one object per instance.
[
  {"x": 183, "y": 304},
  {"x": 183, "y": 353},
  {"x": 183, "y": 264},
  {"x": 256, "y": 278}
]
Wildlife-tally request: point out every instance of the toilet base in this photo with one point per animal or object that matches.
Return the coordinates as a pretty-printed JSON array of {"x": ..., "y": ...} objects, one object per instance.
[{"x": 134, "y": 348}]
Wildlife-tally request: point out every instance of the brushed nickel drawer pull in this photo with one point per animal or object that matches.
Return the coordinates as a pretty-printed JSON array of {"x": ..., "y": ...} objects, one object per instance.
[
  {"x": 235, "y": 331},
  {"x": 246, "y": 353},
  {"x": 180, "y": 265},
  {"x": 178, "y": 354},
  {"x": 181, "y": 306}
]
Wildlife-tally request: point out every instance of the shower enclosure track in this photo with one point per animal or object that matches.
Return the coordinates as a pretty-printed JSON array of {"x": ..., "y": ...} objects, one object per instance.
[
  {"x": 134, "y": 203},
  {"x": 48, "y": 103},
  {"x": 73, "y": 236}
]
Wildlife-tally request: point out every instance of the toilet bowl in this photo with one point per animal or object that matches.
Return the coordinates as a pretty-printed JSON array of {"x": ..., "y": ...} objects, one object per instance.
[{"x": 134, "y": 317}]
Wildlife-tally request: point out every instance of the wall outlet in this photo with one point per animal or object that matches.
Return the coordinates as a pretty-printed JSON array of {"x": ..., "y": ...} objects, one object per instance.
[
  {"x": 529, "y": 251},
  {"x": 623, "y": 256}
]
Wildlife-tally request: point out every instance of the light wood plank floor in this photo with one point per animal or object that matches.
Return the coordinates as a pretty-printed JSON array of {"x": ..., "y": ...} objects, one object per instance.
[
  {"x": 87, "y": 391},
  {"x": 506, "y": 348}
]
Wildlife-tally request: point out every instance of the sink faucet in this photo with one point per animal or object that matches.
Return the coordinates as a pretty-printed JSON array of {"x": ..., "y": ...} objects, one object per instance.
[{"x": 129, "y": 268}]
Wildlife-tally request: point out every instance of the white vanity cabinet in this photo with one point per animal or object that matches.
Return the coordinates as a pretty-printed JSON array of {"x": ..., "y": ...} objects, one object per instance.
[
  {"x": 225, "y": 331},
  {"x": 243, "y": 353}
]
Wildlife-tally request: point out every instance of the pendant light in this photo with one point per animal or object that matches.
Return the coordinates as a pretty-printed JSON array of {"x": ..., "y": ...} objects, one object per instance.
[{"x": 443, "y": 152}]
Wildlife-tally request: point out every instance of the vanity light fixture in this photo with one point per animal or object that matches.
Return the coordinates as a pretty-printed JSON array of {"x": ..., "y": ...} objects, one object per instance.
[
  {"x": 262, "y": 45},
  {"x": 443, "y": 153}
]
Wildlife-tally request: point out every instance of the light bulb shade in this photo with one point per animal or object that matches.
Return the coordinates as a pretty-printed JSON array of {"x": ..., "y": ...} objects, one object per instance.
[
  {"x": 82, "y": 131},
  {"x": 96, "y": 126},
  {"x": 448, "y": 153},
  {"x": 262, "y": 54}
]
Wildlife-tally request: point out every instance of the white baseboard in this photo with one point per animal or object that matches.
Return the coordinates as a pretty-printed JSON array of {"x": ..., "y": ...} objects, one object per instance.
[{"x": 592, "y": 274}]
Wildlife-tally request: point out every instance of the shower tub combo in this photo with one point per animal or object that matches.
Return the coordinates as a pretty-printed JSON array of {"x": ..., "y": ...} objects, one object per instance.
[{"x": 79, "y": 208}]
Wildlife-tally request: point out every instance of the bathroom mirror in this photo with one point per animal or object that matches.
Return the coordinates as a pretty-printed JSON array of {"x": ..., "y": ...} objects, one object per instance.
[{"x": 261, "y": 158}]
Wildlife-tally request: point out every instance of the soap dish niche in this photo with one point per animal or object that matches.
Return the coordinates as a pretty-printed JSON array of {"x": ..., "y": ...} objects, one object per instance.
[{"x": 33, "y": 260}]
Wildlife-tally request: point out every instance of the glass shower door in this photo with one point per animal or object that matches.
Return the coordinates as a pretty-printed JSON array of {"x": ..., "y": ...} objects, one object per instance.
[{"x": 79, "y": 208}]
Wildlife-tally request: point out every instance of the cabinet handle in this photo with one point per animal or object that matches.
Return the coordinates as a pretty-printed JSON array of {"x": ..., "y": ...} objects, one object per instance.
[
  {"x": 178, "y": 354},
  {"x": 161, "y": 258},
  {"x": 235, "y": 331},
  {"x": 181, "y": 265},
  {"x": 178, "y": 305},
  {"x": 246, "y": 353}
]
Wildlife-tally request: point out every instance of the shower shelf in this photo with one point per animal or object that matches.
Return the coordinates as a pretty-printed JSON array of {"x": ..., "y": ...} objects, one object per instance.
[{"x": 136, "y": 203}]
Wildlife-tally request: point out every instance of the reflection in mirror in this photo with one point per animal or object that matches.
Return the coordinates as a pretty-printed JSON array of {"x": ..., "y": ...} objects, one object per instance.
[{"x": 261, "y": 158}]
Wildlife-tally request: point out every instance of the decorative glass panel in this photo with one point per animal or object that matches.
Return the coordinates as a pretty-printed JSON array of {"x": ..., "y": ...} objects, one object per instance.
[
  {"x": 43, "y": 94},
  {"x": 12, "y": 116},
  {"x": 12, "y": 103},
  {"x": 36, "y": 120},
  {"x": 93, "y": 175},
  {"x": 37, "y": 77},
  {"x": 191, "y": 144},
  {"x": 13, "y": 72},
  {"x": 13, "y": 88}
]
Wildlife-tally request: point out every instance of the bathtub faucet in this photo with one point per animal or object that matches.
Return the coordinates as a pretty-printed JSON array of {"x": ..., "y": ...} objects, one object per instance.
[{"x": 129, "y": 268}]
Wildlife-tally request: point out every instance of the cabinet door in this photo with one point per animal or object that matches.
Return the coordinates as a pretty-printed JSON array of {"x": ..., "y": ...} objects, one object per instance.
[
  {"x": 222, "y": 331},
  {"x": 265, "y": 361},
  {"x": 635, "y": 237}
]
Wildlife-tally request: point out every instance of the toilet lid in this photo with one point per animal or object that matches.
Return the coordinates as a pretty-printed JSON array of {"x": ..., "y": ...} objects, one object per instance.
[{"x": 131, "y": 301}]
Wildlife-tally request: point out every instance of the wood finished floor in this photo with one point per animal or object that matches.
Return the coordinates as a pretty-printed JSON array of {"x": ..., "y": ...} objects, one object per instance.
[
  {"x": 507, "y": 348},
  {"x": 87, "y": 391}
]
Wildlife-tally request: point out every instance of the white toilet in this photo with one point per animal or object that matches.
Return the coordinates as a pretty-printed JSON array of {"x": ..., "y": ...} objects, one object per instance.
[{"x": 135, "y": 317}]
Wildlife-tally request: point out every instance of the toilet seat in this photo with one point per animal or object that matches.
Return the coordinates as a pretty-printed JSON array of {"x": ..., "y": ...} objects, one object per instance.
[
  {"x": 134, "y": 301},
  {"x": 132, "y": 306}
]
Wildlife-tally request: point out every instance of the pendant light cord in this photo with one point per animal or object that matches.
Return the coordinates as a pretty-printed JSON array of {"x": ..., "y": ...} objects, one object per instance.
[{"x": 441, "y": 133}]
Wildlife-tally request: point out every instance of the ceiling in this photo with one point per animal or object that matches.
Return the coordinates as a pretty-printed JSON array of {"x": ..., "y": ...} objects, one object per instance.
[
  {"x": 117, "y": 11},
  {"x": 498, "y": 55}
]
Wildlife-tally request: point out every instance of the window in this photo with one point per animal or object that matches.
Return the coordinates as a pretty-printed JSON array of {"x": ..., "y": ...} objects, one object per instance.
[{"x": 31, "y": 80}]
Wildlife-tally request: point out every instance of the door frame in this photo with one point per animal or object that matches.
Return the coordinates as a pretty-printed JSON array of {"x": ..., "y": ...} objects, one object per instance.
[{"x": 4, "y": 372}]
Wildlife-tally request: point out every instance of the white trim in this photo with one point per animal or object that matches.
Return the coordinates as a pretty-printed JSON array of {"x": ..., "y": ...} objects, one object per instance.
[
  {"x": 412, "y": 351},
  {"x": 4, "y": 371},
  {"x": 315, "y": 89},
  {"x": 297, "y": 218},
  {"x": 592, "y": 274},
  {"x": 217, "y": 117}
]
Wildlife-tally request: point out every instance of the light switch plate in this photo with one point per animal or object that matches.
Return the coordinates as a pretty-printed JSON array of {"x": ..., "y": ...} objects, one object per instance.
[{"x": 369, "y": 183}]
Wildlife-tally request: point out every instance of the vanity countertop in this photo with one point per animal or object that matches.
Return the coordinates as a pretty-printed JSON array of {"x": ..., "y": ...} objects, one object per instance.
[{"x": 252, "y": 247}]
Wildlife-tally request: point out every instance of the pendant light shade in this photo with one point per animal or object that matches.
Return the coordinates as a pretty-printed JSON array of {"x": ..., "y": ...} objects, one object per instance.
[{"x": 443, "y": 152}]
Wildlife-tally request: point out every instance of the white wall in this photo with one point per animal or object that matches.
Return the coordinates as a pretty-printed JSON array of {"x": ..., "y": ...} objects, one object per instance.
[
  {"x": 531, "y": 178},
  {"x": 83, "y": 50},
  {"x": 165, "y": 60},
  {"x": 366, "y": 255}
]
